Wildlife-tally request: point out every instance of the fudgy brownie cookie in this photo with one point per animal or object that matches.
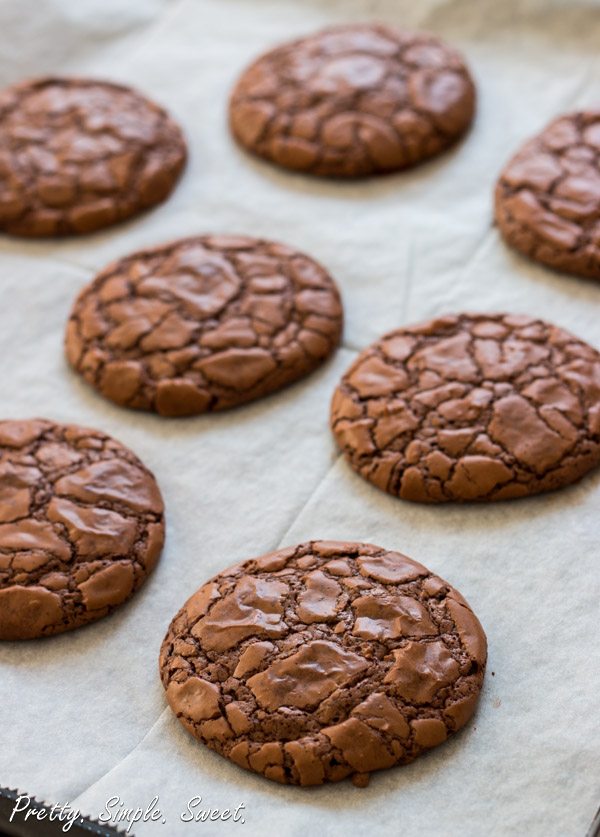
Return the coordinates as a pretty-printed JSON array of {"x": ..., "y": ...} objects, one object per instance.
[
  {"x": 352, "y": 101},
  {"x": 77, "y": 155},
  {"x": 548, "y": 196},
  {"x": 323, "y": 661},
  {"x": 203, "y": 324},
  {"x": 81, "y": 526},
  {"x": 471, "y": 407}
]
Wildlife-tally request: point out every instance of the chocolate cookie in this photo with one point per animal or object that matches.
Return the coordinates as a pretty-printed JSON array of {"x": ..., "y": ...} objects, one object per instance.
[
  {"x": 77, "y": 155},
  {"x": 472, "y": 407},
  {"x": 353, "y": 101},
  {"x": 323, "y": 661},
  {"x": 548, "y": 196},
  {"x": 81, "y": 526},
  {"x": 203, "y": 324}
]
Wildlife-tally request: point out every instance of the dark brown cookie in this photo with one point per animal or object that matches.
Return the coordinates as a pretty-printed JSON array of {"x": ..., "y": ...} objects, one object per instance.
[
  {"x": 548, "y": 196},
  {"x": 81, "y": 526},
  {"x": 323, "y": 661},
  {"x": 353, "y": 101},
  {"x": 472, "y": 407},
  {"x": 77, "y": 155},
  {"x": 203, "y": 324}
]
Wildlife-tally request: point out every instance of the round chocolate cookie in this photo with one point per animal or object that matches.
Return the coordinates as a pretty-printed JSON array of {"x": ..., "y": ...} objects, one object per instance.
[
  {"x": 472, "y": 407},
  {"x": 353, "y": 101},
  {"x": 203, "y": 324},
  {"x": 323, "y": 661},
  {"x": 548, "y": 196},
  {"x": 77, "y": 155},
  {"x": 81, "y": 526}
]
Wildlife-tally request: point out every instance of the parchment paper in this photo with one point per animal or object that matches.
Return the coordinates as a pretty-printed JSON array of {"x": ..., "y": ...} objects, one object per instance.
[{"x": 83, "y": 715}]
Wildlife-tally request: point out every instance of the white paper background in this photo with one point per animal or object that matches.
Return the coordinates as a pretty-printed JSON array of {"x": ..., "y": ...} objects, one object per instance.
[{"x": 83, "y": 715}]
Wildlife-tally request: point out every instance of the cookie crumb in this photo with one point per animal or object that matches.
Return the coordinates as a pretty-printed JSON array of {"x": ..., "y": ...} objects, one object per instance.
[{"x": 361, "y": 780}]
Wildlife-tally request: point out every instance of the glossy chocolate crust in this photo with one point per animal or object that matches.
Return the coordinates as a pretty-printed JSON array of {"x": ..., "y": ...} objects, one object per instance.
[
  {"x": 471, "y": 407},
  {"x": 77, "y": 155},
  {"x": 81, "y": 526},
  {"x": 323, "y": 661},
  {"x": 203, "y": 324},
  {"x": 548, "y": 196},
  {"x": 353, "y": 101}
]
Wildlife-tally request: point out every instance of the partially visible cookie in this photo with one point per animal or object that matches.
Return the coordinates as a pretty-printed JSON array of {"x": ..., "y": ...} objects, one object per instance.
[
  {"x": 324, "y": 661},
  {"x": 203, "y": 323},
  {"x": 471, "y": 407},
  {"x": 77, "y": 155},
  {"x": 81, "y": 526},
  {"x": 353, "y": 101},
  {"x": 548, "y": 196}
]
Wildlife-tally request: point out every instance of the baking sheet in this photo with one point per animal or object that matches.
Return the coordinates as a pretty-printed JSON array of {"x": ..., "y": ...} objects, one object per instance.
[{"x": 83, "y": 715}]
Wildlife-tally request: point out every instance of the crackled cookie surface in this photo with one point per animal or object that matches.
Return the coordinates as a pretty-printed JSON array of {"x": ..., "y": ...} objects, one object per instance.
[
  {"x": 471, "y": 407},
  {"x": 548, "y": 196},
  {"x": 203, "y": 324},
  {"x": 77, "y": 155},
  {"x": 81, "y": 526},
  {"x": 353, "y": 101},
  {"x": 323, "y": 661}
]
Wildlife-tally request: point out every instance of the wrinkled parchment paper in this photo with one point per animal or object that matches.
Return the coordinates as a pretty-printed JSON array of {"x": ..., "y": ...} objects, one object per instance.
[{"x": 83, "y": 715}]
